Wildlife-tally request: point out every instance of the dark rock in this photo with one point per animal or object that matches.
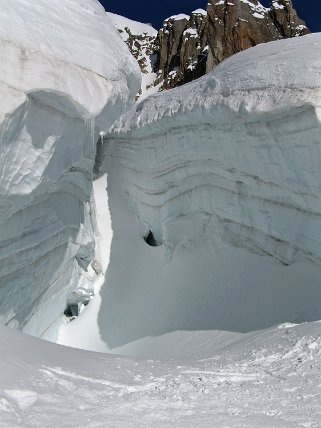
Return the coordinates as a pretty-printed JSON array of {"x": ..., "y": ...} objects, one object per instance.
[
  {"x": 286, "y": 20},
  {"x": 191, "y": 47},
  {"x": 187, "y": 47}
]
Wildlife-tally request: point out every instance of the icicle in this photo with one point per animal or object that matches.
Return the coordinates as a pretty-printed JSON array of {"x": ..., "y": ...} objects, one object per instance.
[
  {"x": 3, "y": 131},
  {"x": 102, "y": 135},
  {"x": 90, "y": 127},
  {"x": 92, "y": 131}
]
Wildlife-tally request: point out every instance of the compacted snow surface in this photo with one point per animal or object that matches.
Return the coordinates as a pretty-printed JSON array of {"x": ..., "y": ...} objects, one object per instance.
[
  {"x": 216, "y": 314},
  {"x": 268, "y": 379}
]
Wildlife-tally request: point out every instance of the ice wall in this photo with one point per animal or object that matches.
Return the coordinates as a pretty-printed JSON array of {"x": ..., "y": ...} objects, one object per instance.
[
  {"x": 226, "y": 174},
  {"x": 65, "y": 74}
]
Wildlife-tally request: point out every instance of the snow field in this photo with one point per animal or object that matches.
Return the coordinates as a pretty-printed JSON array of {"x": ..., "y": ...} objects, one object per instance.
[{"x": 269, "y": 379}]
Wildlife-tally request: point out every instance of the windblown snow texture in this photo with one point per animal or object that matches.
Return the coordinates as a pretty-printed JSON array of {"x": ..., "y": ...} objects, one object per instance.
[{"x": 65, "y": 74}]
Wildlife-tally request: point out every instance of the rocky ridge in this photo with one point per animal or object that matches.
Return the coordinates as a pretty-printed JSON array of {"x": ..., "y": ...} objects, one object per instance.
[
  {"x": 192, "y": 45},
  {"x": 188, "y": 46}
]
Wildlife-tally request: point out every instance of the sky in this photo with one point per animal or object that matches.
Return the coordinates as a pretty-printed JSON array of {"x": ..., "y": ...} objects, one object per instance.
[{"x": 155, "y": 12}]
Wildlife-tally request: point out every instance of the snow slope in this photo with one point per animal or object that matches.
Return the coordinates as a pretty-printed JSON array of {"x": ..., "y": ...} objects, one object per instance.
[
  {"x": 64, "y": 75},
  {"x": 270, "y": 379},
  {"x": 140, "y": 39},
  {"x": 135, "y": 28}
]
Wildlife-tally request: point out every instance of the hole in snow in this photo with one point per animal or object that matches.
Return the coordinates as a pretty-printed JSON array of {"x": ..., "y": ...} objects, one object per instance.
[
  {"x": 72, "y": 310},
  {"x": 76, "y": 302},
  {"x": 151, "y": 241}
]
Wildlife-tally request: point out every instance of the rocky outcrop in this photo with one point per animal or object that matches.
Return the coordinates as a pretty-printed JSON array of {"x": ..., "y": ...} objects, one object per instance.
[
  {"x": 182, "y": 41},
  {"x": 286, "y": 19},
  {"x": 189, "y": 46},
  {"x": 142, "y": 47},
  {"x": 233, "y": 26}
]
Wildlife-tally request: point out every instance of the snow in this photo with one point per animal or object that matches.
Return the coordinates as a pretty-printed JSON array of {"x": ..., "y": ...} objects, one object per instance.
[
  {"x": 254, "y": 88},
  {"x": 190, "y": 32},
  {"x": 178, "y": 17},
  {"x": 199, "y": 12},
  {"x": 259, "y": 8},
  {"x": 277, "y": 5},
  {"x": 135, "y": 27},
  {"x": 87, "y": 323},
  {"x": 34, "y": 41},
  {"x": 301, "y": 27},
  {"x": 55, "y": 98},
  {"x": 269, "y": 379},
  {"x": 258, "y": 15}
]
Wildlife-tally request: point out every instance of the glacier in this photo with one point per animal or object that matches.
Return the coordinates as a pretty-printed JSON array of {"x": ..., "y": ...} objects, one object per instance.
[
  {"x": 195, "y": 216},
  {"x": 56, "y": 97}
]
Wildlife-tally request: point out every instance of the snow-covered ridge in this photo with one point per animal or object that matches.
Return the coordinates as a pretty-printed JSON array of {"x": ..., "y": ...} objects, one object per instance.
[
  {"x": 136, "y": 28},
  {"x": 55, "y": 98},
  {"x": 199, "y": 12},
  {"x": 178, "y": 17},
  {"x": 32, "y": 34},
  {"x": 253, "y": 88}
]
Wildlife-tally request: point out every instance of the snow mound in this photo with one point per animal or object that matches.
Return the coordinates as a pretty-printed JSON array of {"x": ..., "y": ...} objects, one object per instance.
[{"x": 65, "y": 75}]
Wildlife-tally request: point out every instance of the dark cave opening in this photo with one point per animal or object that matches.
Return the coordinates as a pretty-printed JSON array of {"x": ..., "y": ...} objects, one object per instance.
[{"x": 151, "y": 241}]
